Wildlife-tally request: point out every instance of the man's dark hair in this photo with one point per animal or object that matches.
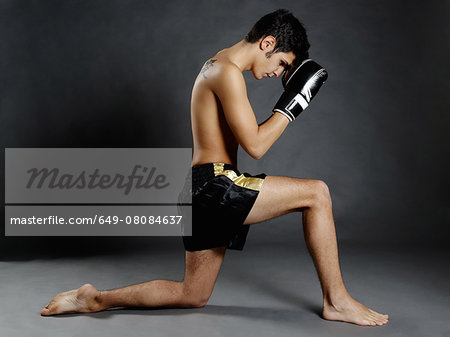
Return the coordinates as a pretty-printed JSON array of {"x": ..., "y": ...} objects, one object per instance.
[{"x": 286, "y": 29}]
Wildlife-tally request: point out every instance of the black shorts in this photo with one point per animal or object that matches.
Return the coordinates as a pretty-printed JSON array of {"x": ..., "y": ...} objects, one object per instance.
[{"x": 222, "y": 197}]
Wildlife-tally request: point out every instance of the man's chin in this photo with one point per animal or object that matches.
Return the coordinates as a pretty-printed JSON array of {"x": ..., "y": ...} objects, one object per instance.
[{"x": 257, "y": 76}]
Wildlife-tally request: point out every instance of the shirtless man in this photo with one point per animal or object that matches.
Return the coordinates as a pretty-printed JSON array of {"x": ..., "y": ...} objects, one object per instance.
[{"x": 222, "y": 119}]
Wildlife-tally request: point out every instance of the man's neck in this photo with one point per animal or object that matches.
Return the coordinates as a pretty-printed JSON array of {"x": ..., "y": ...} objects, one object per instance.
[{"x": 241, "y": 54}]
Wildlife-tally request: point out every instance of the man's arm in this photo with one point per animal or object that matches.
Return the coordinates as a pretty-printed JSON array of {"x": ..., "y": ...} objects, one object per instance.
[{"x": 229, "y": 86}]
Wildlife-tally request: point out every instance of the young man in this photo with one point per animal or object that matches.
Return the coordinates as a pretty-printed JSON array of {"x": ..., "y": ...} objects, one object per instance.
[{"x": 225, "y": 201}]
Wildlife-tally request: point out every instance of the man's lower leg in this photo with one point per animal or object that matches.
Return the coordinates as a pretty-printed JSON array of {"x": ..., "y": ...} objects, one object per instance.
[
  {"x": 157, "y": 293},
  {"x": 320, "y": 238}
]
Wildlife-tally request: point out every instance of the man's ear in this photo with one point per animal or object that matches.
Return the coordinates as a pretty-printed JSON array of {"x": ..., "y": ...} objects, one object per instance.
[{"x": 267, "y": 43}]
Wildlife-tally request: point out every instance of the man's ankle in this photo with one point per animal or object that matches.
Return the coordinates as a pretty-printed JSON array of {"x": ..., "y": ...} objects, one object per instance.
[
  {"x": 336, "y": 298},
  {"x": 99, "y": 301}
]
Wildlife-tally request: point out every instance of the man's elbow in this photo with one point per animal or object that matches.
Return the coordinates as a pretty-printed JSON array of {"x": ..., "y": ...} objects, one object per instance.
[
  {"x": 256, "y": 156},
  {"x": 256, "y": 152}
]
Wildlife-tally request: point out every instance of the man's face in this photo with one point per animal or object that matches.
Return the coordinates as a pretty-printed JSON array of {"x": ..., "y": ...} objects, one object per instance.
[
  {"x": 272, "y": 65},
  {"x": 277, "y": 63}
]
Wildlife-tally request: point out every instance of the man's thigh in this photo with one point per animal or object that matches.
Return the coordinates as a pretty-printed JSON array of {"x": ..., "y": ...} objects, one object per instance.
[{"x": 282, "y": 195}]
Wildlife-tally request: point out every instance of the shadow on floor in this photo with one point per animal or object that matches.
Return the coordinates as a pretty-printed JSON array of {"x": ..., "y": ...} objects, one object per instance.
[{"x": 215, "y": 310}]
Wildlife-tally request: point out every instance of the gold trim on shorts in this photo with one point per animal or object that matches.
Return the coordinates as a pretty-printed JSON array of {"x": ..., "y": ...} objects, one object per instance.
[{"x": 251, "y": 183}]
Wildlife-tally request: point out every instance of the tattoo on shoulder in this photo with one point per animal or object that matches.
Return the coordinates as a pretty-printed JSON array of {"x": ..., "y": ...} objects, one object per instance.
[{"x": 207, "y": 65}]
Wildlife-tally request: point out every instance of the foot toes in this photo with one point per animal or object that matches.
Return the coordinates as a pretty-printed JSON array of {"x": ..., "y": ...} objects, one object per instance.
[{"x": 47, "y": 311}]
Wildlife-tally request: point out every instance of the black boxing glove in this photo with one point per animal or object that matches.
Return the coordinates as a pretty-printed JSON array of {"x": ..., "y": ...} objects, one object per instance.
[{"x": 300, "y": 84}]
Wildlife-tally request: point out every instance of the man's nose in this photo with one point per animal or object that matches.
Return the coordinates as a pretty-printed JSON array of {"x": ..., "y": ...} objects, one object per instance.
[{"x": 277, "y": 72}]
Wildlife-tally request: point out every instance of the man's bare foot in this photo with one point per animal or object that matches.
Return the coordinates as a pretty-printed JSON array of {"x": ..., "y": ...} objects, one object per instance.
[
  {"x": 349, "y": 310},
  {"x": 82, "y": 299}
]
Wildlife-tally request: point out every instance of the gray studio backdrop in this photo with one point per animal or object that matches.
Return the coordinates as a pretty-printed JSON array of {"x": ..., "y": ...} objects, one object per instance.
[{"x": 119, "y": 74}]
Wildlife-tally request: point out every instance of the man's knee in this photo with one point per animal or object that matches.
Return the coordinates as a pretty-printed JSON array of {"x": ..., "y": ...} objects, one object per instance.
[
  {"x": 195, "y": 299},
  {"x": 322, "y": 197}
]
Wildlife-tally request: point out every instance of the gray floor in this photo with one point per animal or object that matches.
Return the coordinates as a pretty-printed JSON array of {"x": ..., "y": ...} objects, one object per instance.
[{"x": 265, "y": 291}]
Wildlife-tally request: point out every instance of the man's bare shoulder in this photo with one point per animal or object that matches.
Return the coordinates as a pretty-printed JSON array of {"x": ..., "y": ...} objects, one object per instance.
[{"x": 219, "y": 72}]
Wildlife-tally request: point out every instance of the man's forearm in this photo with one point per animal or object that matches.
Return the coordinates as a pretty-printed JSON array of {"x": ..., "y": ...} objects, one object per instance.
[{"x": 269, "y": 131}]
